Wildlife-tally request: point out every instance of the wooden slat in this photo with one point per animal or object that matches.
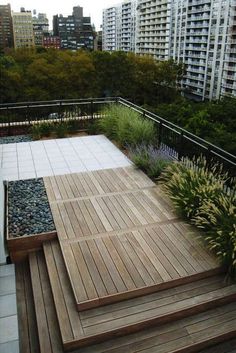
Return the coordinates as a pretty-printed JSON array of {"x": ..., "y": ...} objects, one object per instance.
[
  {"x": 52, "y": 323},
  {"x": 41, "y": 316},
  {"x": 28, "y": 336},
  {"x": 174, "y": 337}
]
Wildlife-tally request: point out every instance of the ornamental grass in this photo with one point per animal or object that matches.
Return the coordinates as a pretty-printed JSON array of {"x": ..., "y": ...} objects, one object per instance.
[{"x": 199, "y": 193}]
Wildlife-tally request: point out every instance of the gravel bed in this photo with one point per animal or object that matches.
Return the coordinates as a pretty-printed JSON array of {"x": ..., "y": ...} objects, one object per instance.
[
  {"x": 15, "y": 139},
  {"x": 28, "y": 208}
]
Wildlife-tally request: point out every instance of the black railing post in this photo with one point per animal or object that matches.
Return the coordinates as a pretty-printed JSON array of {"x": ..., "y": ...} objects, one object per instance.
[
  {"x": 181, "y": 146},
  {"x": 91, "y": 108},
  {"x": 160, "y": 134},
  {"x": 28, "y": 115},
  {"x": 60, "y": 111},
  {"x": 8, "y": 122},
  {"x": 208, "y": 154}
]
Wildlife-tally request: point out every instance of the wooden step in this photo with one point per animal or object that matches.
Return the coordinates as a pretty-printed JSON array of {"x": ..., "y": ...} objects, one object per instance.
[
  {"x": 225, "y": 347},
  {"x": 110, "y": 268},
  {"x": 29, "y": 338},
  {"x": 47, "y": 324},
  {"x": 84, "y": 328},
  {"x": 188, "y": 335},
  {"x": 28, "y": 335}
]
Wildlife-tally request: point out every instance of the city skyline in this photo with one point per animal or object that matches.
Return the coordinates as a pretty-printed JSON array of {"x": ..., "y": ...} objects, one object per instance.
[{"x": 91, "y": 8}]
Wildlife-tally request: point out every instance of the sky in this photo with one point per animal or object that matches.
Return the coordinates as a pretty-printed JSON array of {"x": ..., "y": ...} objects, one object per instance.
[{"x": 92, "y": 8}]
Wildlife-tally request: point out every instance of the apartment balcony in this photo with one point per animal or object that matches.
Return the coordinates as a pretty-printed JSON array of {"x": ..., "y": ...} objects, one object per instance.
[
  {"x": 198, "y": 2},
  {"x": 197, "y": 18},
  {"x": 196, "y": 48},
  {"x": 195, "y": 62},
  {"x": 161, "y": 6},
  {"x": 230, "y": 51},
  {"x": 231, "y": 41},
  {"x": 193, "y": 55},
  {"x": 193, "y": 40},
  {"x": 230, "y": 59},
  {"x": 194, "y": 25},
  {"x": 232, "y": 85},
  {"x": 230, "y": 77},
  {"x": 199, "y": 10},
  {"x": 197, "y": 33},
  {"x": 230, "y": 68},
  {"x": 197, "y": 70}
]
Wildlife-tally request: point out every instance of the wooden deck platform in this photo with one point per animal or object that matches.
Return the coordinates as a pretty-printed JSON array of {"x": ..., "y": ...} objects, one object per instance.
[
  {"x": 49, "y": 321},
  {"x": 120, "y": 237}
]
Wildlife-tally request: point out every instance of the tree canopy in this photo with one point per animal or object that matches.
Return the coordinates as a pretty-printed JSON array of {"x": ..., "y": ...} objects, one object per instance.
[
  {"x": 31, "y": 75},
  {"x": 51, "y": 74}
]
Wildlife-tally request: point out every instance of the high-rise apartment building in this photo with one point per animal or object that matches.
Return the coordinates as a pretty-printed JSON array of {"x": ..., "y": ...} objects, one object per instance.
[
  {"x": 23, "y": 29},
  {"x": 40, "y": 28},
  {"x": 153, "y": 28},
  {"x": 75, "y": 31},
  {"x": 199, "y": 33},
  {"x": 6, "y": 33},
  {"x": 110, "y": 29},
  {"x": 199, "y": 38},
  {"x": 119, "y": 27},
  {"x": 228, "y": 85},
  {"x": 128, "y": 25}
]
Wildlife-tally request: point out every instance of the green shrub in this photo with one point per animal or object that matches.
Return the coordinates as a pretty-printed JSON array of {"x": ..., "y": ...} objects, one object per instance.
[
  {"x": 61, "y": 130},
  {"x": 45, "y": 129},
  {"x": 40, "y": 130},
  {"x": 198, "y": 192},
  {"x": 218, "y": 220},
  {"x": 157, "y": 167},
  {"x": 93, "y": 127},
  {"x": 36, "y": 132},
  {"x": 73, "y": 125},
  {"x": 126, "y": 126},
  {"x": 141, "y": 158},
  {"x": 190, "y": 183},
  {"x": 108, "y": 123},
  {"x": 150, "y": 159}
]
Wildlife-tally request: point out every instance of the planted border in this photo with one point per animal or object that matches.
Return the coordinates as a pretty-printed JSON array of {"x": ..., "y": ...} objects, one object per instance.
[{"x": 199, "y": 194}]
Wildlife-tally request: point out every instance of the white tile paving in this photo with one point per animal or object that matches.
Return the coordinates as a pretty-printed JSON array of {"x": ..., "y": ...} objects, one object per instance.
[
  {"x": 27, "y": 160},
  {"x": 34, "y": 159},
  {"x": 8, "y": 311}
]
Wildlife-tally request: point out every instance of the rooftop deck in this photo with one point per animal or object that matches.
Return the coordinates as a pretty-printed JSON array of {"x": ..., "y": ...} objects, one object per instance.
[
  {"x": 123, "y": 265},
  {"x": 120, "y": 237},
  {"x": 123, "y": 262}
]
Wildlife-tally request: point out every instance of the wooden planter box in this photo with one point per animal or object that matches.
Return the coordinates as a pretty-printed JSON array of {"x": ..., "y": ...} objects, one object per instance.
[{"x": 19, "y": 247}]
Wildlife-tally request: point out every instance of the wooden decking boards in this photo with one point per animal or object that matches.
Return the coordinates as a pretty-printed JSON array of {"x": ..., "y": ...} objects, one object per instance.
[
  {"x": 28, "y": 337},
  {"x": 101, "y": 182},
  {"x": 53, "y": 300},
  {"x": 90, "y": 326},
  {"x": 187, "y": 335},
  {"x": 120, "y": 237},
  {"x": 191, "y": 334},
  {"x": 125, "y": 274}
]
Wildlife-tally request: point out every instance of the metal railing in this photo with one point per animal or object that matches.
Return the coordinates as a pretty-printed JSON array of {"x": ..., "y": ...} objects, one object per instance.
[{"x": 183, "y": 142}]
